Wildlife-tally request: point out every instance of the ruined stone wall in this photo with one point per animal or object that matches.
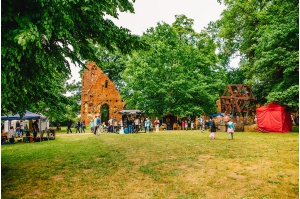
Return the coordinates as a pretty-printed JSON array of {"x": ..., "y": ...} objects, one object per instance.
[{"x": 97, "y": 91}]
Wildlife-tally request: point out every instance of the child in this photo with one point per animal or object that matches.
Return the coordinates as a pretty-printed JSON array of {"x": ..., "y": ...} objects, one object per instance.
[
  {"x": 192, "y": 125},
  {"x": 213, "y": 130},
  {"x": 230, "y": 129}
]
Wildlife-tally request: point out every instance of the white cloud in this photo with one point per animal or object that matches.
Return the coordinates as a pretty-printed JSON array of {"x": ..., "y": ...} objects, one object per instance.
[{"x": 149, "y": 12}]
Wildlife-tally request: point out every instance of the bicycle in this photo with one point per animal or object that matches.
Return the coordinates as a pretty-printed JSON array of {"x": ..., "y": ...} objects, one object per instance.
[{"x": 103, "y": 129}]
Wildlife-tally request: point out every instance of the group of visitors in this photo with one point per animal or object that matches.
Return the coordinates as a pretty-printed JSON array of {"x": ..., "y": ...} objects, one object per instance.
[
  {"x": 229, "y": 128},
  {"x": 135, "y": 124},
  {"x": 19, "y": 130},
  {"x": 80, "y": 126}
]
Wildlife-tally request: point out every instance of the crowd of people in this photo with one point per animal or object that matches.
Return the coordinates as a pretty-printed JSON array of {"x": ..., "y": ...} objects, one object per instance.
[
  {"x": 137, "y": 124},
  {"x": 19, "y": 130},
  {"x": 79, "y": 126}
]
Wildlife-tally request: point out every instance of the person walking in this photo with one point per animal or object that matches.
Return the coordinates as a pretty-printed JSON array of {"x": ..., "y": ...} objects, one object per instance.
[
  {"x": 83, "y": 126},
  {"x": 69, "y": 125},
  {"x": 156, "y": 123},
  {"x": 78, "y": 127},
  {"x": 230, "y": 129}
]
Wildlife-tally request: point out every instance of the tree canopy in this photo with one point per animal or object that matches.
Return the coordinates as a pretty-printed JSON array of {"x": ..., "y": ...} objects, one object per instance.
[
  {"x": 38, "y": 37},
  {"x": 177, "y": 75},
  {"x": 266, "y": 35}
]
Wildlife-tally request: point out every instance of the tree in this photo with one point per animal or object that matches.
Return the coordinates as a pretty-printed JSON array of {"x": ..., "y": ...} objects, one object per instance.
[
  {"x": 177, "y": 75},
  {"x": 266, "y": 34},
  {"x": 38, "y": 37},
  {"x": 112, "y": 63}
]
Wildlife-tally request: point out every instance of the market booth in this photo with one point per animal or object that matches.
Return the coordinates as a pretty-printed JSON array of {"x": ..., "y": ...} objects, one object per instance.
[
  {"x": 273, "y": 118},
  {"x": 43, "y": 124}
]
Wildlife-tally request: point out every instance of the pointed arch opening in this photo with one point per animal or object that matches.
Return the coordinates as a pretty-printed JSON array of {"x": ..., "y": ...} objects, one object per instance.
[{"x": 105, "y": 113}]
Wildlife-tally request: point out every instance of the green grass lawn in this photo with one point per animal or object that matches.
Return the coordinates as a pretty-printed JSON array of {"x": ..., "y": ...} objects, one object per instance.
[{"x": 168, "y": 164}]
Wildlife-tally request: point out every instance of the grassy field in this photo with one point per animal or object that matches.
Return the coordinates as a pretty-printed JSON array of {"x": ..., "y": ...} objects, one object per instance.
[{"x": 168, "y": 164}]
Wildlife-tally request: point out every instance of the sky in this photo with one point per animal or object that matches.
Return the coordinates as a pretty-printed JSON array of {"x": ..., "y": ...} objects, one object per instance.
[{"x": 149, "y": 12}]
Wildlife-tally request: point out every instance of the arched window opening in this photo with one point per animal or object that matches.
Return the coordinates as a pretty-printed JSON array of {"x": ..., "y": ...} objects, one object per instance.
[{"x": 105, "y": 113}]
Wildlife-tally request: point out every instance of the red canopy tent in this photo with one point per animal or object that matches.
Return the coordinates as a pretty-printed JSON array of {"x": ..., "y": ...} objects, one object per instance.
[{"x": 273, "y": 118}]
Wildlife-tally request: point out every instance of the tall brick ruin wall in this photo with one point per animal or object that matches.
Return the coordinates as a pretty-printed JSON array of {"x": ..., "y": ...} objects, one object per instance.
[{"x": 97, "y": 91}]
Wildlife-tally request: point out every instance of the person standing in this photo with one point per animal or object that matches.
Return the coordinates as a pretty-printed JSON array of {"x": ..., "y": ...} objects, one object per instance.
[
  {"x": 115, "y": 125},
  {"x": 226, "y": 119},
  {"x": 18, "y": 129},
  {"x": 203, "y": 124},
  {"x": 21, "y": 127},
  {"x": 192, "y": 125},
  {"x": 129, "y": 124},
  {"x": 10, "y": 135},
  {"x": 98, "y": 122},
  {"x": 200, "y": 120},
  {"x": 136, "y": 124},
  {"x": 156, "y": 123},
  {"x": 230, "y": 129},
  {"x": 92, "y": 126},
  {"x": 186, "y": 125},
  {"x": 121, "y": 127},
  {"x": 35, "y": 128},
  {"x": 213, "y": 130},
  {"x": 182, "y": 125},
  {"x": 69, "y": 125},
  {"x": 147, "y": 124}
]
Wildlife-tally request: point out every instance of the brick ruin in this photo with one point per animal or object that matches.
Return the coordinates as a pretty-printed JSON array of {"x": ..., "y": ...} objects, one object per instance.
[{"x": 99, "y": 96}]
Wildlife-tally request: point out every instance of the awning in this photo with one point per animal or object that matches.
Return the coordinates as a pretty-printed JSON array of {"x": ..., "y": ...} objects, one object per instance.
[
  {"x": 27, "y": 116},
  {"x": 131, "y": 112}
]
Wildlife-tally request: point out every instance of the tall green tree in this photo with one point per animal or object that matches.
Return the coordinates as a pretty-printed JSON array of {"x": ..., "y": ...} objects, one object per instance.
[
  {"x": 266, "y": 34},
  {"x": 38, "y": 37},
  {"x": 177, "y": 75}
]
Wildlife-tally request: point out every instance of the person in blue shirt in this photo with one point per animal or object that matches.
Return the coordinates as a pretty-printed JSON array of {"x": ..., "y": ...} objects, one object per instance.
[
  {"x": 97, "y": 125},
  {"x": 147, "y": 124}
]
